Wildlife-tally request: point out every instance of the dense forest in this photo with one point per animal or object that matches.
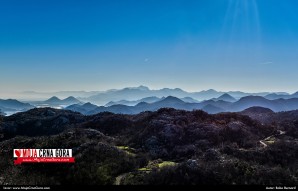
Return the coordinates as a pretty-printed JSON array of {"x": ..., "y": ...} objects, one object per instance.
[{"x": 169, "y": 146}]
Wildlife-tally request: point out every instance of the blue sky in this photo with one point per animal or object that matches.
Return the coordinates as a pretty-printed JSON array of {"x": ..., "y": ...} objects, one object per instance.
[{"x": 51, "y": 45}]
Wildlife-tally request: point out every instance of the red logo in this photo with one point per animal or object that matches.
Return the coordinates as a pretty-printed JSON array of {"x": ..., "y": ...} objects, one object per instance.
[
  {"x": 18, "y": 152},
  {"x": 43, "y": 156}
]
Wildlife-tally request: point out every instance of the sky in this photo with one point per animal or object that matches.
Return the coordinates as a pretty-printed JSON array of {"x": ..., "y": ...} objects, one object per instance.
[{"x": 54, "y": 45}]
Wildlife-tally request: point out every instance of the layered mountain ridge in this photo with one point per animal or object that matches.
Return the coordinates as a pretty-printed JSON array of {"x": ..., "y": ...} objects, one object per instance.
[
  {"x": 223, "y": 103},
  {"x": 210, "y": 106}
]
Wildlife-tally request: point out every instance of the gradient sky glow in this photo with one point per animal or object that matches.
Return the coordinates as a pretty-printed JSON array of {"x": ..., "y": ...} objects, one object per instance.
[{"x": 52, "y": 45}]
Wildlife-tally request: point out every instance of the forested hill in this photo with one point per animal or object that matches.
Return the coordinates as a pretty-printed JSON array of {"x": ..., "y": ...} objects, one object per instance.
[{"x": 164, "y": 147}]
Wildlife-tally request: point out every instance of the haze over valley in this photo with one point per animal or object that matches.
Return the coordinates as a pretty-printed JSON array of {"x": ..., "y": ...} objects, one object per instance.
[{"x": 134, "y": 100}]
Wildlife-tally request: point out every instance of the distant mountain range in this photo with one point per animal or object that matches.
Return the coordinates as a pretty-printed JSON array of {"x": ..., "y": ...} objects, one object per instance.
[
  {"x": 132, "y": 103},
  {"x": 168, "y": 102},
  {"x": 55, "y": 101},
  {"x": 140, "y": 99},
  {"x": 39, "y": 96},
  {"x": 274, "y": 96},
  {"x": 147, "y": 100},
  {"x": 84, "y": 108},
  {"x": 67, "y": 101},
  {"x": 13, "y": 106},
  {"x": 210, "y": 106},
  {"x": 131, "y": 94},
  {"x": 141, "y": 92}
]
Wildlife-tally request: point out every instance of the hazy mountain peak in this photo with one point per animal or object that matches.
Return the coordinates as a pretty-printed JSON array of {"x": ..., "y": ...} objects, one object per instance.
[
  {"x": 210, "y": 91},
  {"x": 88, "y": 104},
  {"x": 172, "y": 91},
  {"x": 10, "y": 101},
  {"x": 142, "y": 104},
  {"x": 189, "y": 100},
  {"x": 226, "y": 97},
  {"x": 211, "y": 109},
  {"x": 257, "y": 109},
  {"x": 56, "y": 101},
  {"x": 53, "y": 99},
  {"x": 144, "y": 88},
  {"x": 12, "y": 105},
  {"x": 178, "y": 89},
  {"x": 172, "y": 99},
  {"x": 71, "y": 98},
  {"x": 109, "y": 103},
  {"x": 256, "y": 98},
  {"x": 272, "y": 94}
]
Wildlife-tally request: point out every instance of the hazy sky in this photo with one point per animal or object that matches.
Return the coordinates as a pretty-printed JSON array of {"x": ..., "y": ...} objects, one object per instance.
[{"x": 248, "y": 45}]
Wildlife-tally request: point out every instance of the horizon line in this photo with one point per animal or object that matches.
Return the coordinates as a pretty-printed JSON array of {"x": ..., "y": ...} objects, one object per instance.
[{"x": 151, "y": 89}]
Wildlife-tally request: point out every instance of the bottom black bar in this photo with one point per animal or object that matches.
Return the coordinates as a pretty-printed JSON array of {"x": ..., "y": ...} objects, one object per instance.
[{"x": 149, "y": 187}]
